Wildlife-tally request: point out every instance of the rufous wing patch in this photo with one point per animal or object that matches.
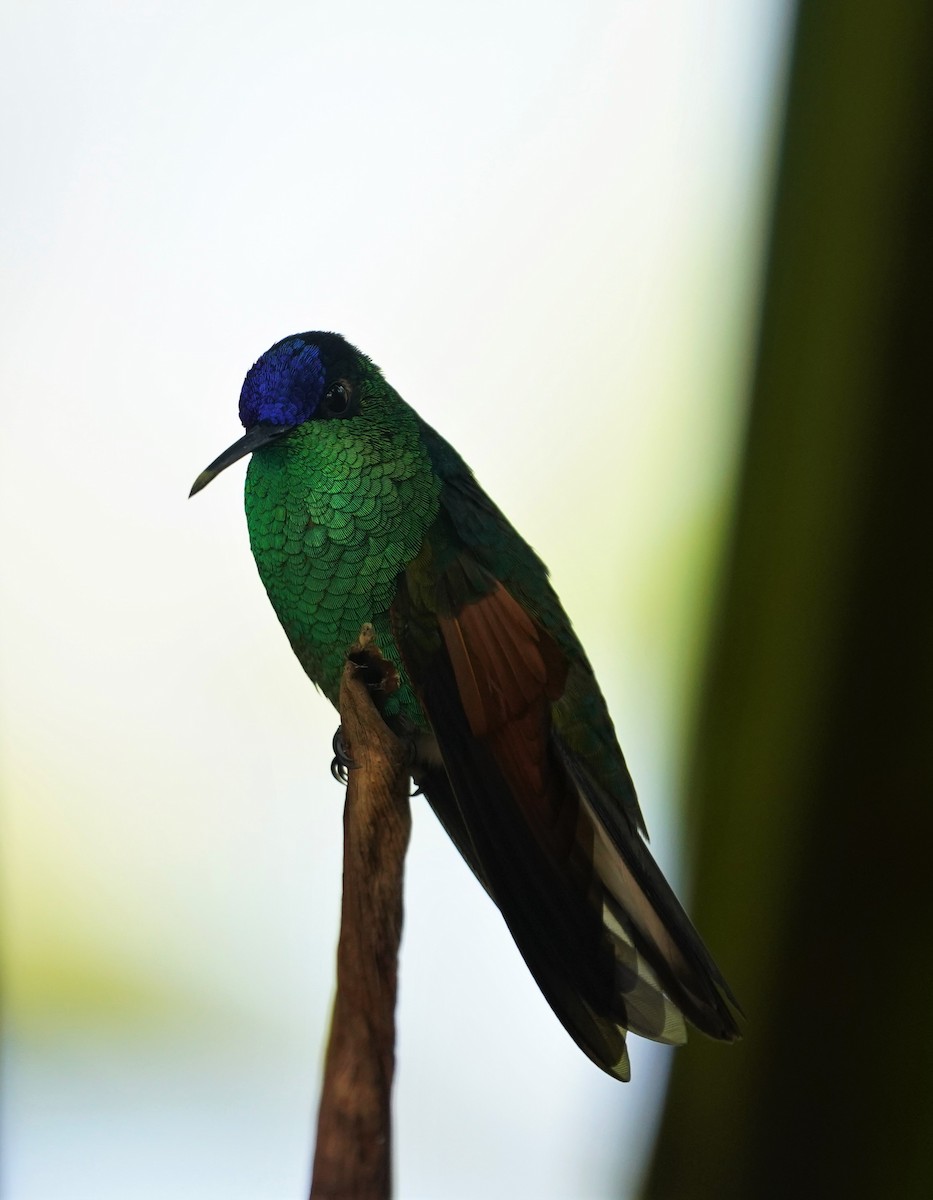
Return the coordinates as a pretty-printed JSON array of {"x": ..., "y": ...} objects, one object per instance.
[
  {"x": 504, "y": 662},
  {"x": 508, "y": 670}
]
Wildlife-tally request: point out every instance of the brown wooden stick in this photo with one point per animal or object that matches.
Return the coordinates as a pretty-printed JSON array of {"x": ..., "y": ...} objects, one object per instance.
[{"x": 353, "y": 1156}]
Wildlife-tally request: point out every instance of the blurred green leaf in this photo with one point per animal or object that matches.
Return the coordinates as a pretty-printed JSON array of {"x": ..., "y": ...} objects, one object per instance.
[{"x": 812, "y": 774}]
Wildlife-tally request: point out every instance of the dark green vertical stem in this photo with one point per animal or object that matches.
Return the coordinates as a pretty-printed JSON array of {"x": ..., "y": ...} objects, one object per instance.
[{"x": 812, "y": 774}]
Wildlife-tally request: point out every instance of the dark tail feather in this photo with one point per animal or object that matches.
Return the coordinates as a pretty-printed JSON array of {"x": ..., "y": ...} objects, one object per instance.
[
  {"x": 599, "y": 929},
  {"x": 651, "y": 916},
  {"x": 560, "y": 936}
]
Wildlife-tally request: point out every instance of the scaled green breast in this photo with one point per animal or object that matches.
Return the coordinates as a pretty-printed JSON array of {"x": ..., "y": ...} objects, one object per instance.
[{"x": 334, "y": 514}]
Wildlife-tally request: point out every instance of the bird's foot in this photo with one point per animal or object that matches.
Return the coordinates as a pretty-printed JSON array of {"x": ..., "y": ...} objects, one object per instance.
[
  {"x": 342, "y": 764},
  {"x": 378, "y": 674}
]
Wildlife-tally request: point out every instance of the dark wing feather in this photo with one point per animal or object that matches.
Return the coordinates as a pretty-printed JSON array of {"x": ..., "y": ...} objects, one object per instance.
[
  {"x": 655, "y": 922},
  {"x": 533, "y": 787},
  {"x": 558, "y": 934},
  {"x": 526, "y": 826}
]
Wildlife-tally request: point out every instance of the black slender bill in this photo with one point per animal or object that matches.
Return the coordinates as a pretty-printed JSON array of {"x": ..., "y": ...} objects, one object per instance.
[{"x": 259, "y": 435}]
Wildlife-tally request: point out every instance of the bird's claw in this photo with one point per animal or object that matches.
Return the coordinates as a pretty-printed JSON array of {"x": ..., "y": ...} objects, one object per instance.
[
  {"x": 342, "y": 764},
  {"x": 411, "y": 755}
]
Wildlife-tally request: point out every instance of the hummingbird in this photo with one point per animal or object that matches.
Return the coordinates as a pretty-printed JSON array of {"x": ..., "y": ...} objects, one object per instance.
[{"x": 359, "y": 512}]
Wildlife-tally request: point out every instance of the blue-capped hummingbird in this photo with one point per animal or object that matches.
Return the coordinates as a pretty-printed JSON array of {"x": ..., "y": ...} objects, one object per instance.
[{"x": 359, "y": 512}]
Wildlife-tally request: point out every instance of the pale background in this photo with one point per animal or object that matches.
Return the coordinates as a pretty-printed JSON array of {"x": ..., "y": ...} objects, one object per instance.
[{"x": 544, "y": 222}]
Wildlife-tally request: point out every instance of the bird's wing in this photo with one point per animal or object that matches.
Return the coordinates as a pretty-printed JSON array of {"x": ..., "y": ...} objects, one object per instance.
[
  {"x": 580, "y": 715},
  {"x": 549, "y": 826},
  {"x": 598, "y": 927}
]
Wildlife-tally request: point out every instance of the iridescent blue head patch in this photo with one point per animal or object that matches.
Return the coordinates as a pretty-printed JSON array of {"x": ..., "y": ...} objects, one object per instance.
[{"x": 284, "y": 387}]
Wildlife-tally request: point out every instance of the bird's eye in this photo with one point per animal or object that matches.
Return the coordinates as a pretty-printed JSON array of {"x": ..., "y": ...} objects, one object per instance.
[{"x": 337, "y": 399}]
